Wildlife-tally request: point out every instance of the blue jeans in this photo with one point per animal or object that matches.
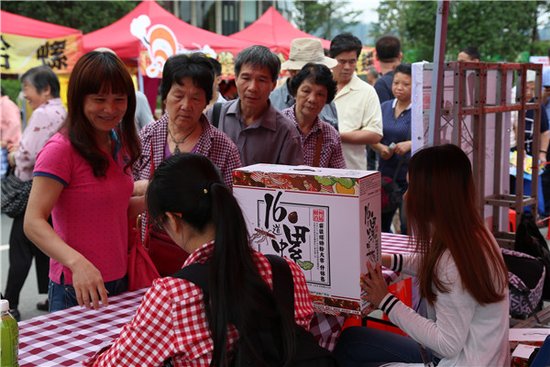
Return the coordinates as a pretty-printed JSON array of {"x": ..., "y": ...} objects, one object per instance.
[
  {"x": 366, "y": 347},
  {"x": 62, "y": 296}
]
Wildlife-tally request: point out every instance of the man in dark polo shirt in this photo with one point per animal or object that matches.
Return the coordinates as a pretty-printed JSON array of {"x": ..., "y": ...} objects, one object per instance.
[{"x": 262, "y": 133}]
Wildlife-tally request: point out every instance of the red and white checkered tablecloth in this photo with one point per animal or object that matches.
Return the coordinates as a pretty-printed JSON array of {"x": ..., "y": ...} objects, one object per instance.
[{"x": 68, "y": 337}]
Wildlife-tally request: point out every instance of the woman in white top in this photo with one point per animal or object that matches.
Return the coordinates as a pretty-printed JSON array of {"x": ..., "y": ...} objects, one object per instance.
[{"x": 460, "y": 273}]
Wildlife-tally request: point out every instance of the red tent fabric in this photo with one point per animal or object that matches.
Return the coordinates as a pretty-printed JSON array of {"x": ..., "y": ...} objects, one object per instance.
[
  {"x": 22, "y": 26},
  {"x": 274, "y": 31},
  {"x": 119, "y": 38}
]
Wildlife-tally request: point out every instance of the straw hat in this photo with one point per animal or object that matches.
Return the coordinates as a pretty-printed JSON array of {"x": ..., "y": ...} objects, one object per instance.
[{"x": 304, "y": 50}]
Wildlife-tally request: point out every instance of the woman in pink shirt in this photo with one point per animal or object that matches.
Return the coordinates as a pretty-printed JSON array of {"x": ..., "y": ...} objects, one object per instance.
[{"x": 83, "y": 178}]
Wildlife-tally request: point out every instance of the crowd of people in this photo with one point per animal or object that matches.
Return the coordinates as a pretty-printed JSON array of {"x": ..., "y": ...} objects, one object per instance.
[{"x": 88, "y": 161}]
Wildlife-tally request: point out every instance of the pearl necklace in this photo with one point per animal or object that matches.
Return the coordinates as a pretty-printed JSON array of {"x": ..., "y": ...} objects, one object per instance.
[{"x": 178, "y": 142}]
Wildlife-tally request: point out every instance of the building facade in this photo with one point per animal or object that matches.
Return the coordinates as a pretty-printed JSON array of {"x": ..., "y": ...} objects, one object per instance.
[{"x": 226, "y": 16}]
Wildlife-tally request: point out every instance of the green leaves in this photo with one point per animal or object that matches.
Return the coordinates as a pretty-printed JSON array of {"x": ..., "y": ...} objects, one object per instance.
[
  {"x": 500, "y": 29},
  {"x": 326, "y": 16}
]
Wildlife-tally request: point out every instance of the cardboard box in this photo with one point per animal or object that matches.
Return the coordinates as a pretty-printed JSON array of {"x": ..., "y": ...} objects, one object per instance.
[{"x": 326, "y": 220}]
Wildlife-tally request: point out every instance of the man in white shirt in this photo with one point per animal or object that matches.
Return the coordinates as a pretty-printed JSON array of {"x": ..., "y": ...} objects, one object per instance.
[{"x": 359, "y": 114}]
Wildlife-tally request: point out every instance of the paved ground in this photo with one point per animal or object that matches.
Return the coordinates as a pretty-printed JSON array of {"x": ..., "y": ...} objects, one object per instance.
[{"x": 29, "y": 294}]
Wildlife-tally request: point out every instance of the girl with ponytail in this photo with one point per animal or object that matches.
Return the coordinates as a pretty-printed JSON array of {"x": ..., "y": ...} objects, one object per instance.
[{"x": 188, "y": 198}]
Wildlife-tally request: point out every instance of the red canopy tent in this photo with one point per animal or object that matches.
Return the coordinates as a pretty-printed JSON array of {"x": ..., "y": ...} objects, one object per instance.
[
  {"x": 22, "y": 26},
  {"x": 28, "y": 42},
  {"x": 274, "y": 31},
  {"x": 118, "y": 36}
]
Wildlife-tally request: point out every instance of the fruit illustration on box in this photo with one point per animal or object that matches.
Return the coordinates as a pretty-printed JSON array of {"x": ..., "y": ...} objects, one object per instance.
[{"x": 340, "y": 185}]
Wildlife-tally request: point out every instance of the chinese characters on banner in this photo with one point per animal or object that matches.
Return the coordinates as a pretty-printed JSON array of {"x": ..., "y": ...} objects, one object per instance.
[{"x": 19, "y": 53}]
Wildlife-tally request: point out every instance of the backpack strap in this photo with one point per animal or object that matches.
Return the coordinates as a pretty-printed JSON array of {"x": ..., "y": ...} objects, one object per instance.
[
  {"x": 196, "y": 273},
  {"x": 283, "y": 284},
  {"x": 216, "y": 114}
]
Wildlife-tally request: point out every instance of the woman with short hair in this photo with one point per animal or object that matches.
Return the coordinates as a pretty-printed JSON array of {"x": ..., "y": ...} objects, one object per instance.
[
  {"x": 41, "y": 90},
  {"x": 313, "y": 87},
  {"x": 395, "y": 146},
  {"x": 186, "y": 89}
]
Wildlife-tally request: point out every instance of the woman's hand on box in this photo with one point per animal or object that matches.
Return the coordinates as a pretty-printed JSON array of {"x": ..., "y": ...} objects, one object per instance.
[{"x": 374, "y": 284}]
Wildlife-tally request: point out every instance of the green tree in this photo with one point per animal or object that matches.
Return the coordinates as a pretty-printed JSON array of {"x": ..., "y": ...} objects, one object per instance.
[
  {"x": 500, "y": 30},
  {"x": 87, "y": 16},
  {"x": 325, "y": 17}
]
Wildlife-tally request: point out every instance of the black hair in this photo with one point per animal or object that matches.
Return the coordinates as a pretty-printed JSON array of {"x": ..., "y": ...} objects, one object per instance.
[
  {"x": 388, "y": 48},
  {"x": 403, "y": 69},
  {"x": 258, "y": 56},
  {"x": 42, "y": 77},
  {"x": 100, "y": 72},
  {"x": 472, "y": 51},
  {"x": 216, "y": 66},
  {"x": 196, "y": 66},
  {"x": 318, "y": 74},
  {"x": 343, "y": 43},
  {"x": 191, "y": 185}
]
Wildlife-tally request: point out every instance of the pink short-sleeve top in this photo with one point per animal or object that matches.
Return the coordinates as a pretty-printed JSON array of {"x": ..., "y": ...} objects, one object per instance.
[{"x": 90, "y": 214}]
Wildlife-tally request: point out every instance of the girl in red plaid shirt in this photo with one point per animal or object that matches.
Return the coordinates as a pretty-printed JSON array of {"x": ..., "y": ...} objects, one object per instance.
[{"x": 188, "y": 199}]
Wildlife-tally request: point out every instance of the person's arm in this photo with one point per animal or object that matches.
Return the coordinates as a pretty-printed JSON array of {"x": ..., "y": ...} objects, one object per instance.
[
  {"x": 87, "y": 280},
  {"x": 403, "y": 147},
  {"x": 140, "y": 187},
  {"x": 360, "y": 137},
  {"x": 544, "y": 140},
  {"x": 384, "y": 151},
  {"x": 454, "y": 310},
  {"x": 544, "y": 136},
  {"x": 386, "y": 260}
]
